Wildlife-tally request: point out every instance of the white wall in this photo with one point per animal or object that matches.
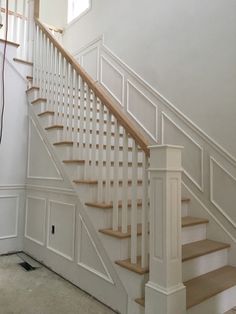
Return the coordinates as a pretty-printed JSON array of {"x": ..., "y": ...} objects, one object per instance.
[
  {"x": 185, "y": 50},
  {"x": 53, "y": 12},
  {"x": 13, "y": 155}
]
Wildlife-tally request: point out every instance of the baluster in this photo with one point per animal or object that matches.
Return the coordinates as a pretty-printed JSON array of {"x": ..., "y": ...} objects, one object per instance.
[
  {"x": 100, "y": 153},
  {"x": 87, "y": 132},
  {"x": 145, "y": 212},
  {"x": 76, "y": 116},
  {"x": 40, "y": 59},
  {"x": 108, "y": 159},
  {"x": 23, "y": 31},
  {"x": 94, "y": 133},
  {"x": 70, "y": 100},
  {"x": 60, "y": 89},
  {"x": 44, "y": 66},
  {"x": 35, "y": 67},
  {"x": 66, "y": 100},
  {"x": 81, "y": 118},
  {"x": 115, "y": 213},
  {"x": 124, "y": 222},
  {"x": 134, "y": 204}
]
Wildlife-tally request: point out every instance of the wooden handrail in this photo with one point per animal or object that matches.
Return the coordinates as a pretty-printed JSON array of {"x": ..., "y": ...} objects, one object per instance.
[
  {"x": 54, "y": 28},
  {"x": 123, "y": 120},
  {"x": 3, "y": 10},
  {"x": 36, "y": 8}
]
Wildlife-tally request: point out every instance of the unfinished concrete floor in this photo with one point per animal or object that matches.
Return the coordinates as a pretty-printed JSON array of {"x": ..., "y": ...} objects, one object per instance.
[{"x": 41, "y": 292}]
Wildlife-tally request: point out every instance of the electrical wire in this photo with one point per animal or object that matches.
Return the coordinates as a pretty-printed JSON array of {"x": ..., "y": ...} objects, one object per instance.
[{"x": 3, "y": 71}]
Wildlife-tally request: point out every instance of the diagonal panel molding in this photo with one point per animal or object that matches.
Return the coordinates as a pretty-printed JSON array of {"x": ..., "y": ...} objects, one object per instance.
[
  {"x": 222, "y": 191},
  {"x": 192, "y": 156},
  {"x": 88, "y": 254},
  {"x": 41, "y": 164}
]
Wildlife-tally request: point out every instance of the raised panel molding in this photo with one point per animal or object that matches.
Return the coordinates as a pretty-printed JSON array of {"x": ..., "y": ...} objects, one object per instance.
[
  {"x": 62, "y": 215},
  {"x": 89, "y": 59},
  {"x": 223, "y": 190},
  {"x": 188, "y": 155},
  {"x": 142, "y": 109},
  {"x": 88, "y": 254},
  {"x": 158, "y": 185},
  {"x": 38, "y": 168},
  {"x": 111, "y": 78},
  {"x": 9, "y": 216},
  {"x": 35, "y": 219}
]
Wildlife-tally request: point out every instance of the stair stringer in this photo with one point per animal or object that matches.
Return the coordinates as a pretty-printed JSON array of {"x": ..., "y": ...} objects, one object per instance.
[{"x": 108, "y": 287}]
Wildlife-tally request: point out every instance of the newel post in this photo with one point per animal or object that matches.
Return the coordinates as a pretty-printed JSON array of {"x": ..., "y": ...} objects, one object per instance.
[
  {"x": 165, "y": 292},
  {"x": 31, "y": 14}
]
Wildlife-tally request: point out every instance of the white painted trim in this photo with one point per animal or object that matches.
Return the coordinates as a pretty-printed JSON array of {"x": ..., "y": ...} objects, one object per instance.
[
  {"x": 212, "y": 161},
  {"x": 201, "y": 185},
  {"x": 209, "y": 213},
  {"x": 26, "y": 221},
  {"x": 121, "y": 102},
  {"x": 81, "y": 57},
  {"x": 155, "y": 136},
  {"x": 91, "y": 43},
  {"x": 92, "y": 270},
  {"x": 164, "y": 291},
  {"x": 14, "y": 68},
  {"x": 48, "y": 189},
  {"x": 4, "y": 187},
  {"x": 46, "y": 148},
  {"x": 70, "y": 258},
  {"x": 15, "y": 235}
]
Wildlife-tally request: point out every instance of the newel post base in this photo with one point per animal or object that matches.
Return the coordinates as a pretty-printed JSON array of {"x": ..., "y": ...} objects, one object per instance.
[{"x": 165, "y": 292}]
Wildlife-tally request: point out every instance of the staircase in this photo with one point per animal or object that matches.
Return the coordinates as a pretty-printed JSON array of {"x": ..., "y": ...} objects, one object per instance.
[{"x": 106, "y": 158}]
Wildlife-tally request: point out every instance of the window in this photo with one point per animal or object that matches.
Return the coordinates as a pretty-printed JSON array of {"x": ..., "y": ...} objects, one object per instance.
[{"x": 77, "y": 8}]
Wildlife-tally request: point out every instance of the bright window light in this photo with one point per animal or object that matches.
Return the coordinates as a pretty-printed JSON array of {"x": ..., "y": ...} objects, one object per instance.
[{"x": 76, "y": 8}]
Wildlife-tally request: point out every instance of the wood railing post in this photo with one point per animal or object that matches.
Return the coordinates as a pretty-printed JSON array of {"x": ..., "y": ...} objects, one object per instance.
[{"x": 165, "y": 292}]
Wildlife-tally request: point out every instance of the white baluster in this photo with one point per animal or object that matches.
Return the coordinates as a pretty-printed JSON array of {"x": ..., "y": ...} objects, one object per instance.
[
  {"x": 124, "y": 223},
  {"x": 100, "y": 153},
  {"x": 134, "y": 219},
  {"x": 87, "y": 133},
  {"x": 115, "y": 213}
]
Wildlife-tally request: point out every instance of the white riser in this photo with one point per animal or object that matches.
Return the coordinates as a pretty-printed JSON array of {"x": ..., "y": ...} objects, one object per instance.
[
  {"x": 46, "y": 120},
  {"x": 102, "y": 218},
  {"x": 218, "y": 304},
  {"x": 119, "y": 249},
  {"x": 39, "y": 107},
  {"x": 134, "y": 308},
  {"x": 204, "y": 264},
  {"x": 193, "y": 233},
  {"x": 32, "y": 95},
  {"x": 184, "y": 211}
]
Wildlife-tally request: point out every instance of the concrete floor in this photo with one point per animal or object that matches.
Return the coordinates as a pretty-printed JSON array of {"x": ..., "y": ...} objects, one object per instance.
[{"x": 41, "y": 292}]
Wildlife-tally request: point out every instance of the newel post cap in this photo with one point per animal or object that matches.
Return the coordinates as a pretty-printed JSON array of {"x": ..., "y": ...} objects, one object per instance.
[{"x": 165, "y": 157}]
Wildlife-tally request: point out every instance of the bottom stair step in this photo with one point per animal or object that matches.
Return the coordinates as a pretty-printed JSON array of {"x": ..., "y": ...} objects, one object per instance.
[{"x": 206, "y": 286}]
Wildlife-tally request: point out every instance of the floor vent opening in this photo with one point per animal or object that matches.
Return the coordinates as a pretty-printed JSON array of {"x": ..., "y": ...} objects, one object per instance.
[{"x": 27, "y": 266}]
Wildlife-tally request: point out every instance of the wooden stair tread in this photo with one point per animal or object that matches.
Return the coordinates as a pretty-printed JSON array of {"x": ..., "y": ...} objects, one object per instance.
[
  {"x": 204, "y": 287},
  {"x": 110, "y": 205},
  {"x": 70, "y": 143},
  {"x": 29, "y": 77},
  {"x": 200, "y": 248},
  {"x": 74, "y": 161},
  {"x": 137, "y": 268},
  {"x": 9, "y": 42},
  {"x": 140, "y": 301},
  {"x": 208, "y": 285},
  {"x": 189, "y": 221},
  {"x": 38, "y": 100},
  {"x": 23, "y": 61},
  {"x": 56, "y": 126},
  {"x": 119, "y": 234},
  {"x": 45, "y": 113},
  {"x": 95, "y": 182},
  {"x": 32, "y": 88}
]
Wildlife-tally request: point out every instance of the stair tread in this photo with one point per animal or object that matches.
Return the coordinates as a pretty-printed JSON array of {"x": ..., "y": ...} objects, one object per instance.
[
  {"x": 47, "y": 112},
  {"x": 200, "y": 248},
  {"x": 189, "y": 251},
  {"x": 56, "y": 126},
  {"x": 137, "y": 268},
  {"x": 74, "y": 161},
  {"x": 12, "y": 43},
  {"x": 119, "y": 234},
  {"x": 204, "y": 287},
  {"x": 90, "y": 145},
  {"x": 23, "y": 61},
  {"x": 32, "y": 88},
  {"x": 34, "y": 102},
  {"x": 208, "y": 285},
  {"x": 188, "y": 221},
  {"x": 95, "y": 182},
  {"x": 110, "y": 205}
]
